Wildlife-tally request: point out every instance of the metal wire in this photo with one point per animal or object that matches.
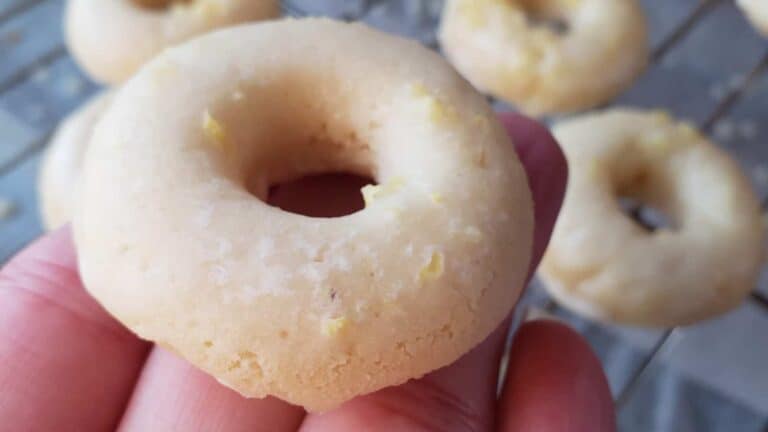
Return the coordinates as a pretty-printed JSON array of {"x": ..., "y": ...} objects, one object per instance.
[{"x": 683, "y": 29}]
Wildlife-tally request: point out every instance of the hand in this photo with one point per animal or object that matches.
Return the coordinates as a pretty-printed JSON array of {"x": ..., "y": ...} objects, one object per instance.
[{"x": 66, "y": 365}]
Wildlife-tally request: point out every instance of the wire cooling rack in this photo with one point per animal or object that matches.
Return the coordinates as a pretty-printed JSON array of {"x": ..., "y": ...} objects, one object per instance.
[{"x": 707, "y": 65}]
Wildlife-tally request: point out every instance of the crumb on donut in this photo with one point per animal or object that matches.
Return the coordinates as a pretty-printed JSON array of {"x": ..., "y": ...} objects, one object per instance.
[
  {"x": 208, "y": 10},
  {"x": 665, "y": 140},
  {"x": 662, "y": 116},
  {"x": 437, "y": 111},
  {"x": 472, "y": 14},
  {"x": 659, "y": 141},
  {"x": 434, "y": 268},
  {"x": 215, "y": 131},
  {"x": 437, "y": 198},
  {"x": 372, "y": 193},
  {"x": 333, "y": 326}
]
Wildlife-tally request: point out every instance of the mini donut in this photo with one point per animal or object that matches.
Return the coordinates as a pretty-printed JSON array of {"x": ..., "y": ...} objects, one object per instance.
[
  {"x": 603, "y": 264},
  {"x": 112, "y": 39},
  {"x": 757, "y": 12},
  {"x": 60, "y": 168},
  {"x": 176, "y": 240},
  {"x": 547, "y": 56}
]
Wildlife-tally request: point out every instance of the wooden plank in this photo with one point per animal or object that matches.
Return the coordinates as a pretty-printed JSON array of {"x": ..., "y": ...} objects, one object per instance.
[
  {"x": 15, "y": 137},
  {"x": 665, "y": 16},
  {"x": 688, "y": 78},
  {"x": 48, "y": 94},
  {"x": 9, "y": 8},
  {"x": 742, "y": 345},
  {"x": 21, "y": 224},
  {"x": 28, "y": 37},
  {"x": 672, "y": 402},
  {"x": 333, "y": 8}
]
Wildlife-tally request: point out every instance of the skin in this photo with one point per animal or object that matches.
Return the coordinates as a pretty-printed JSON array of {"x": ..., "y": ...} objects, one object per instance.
[{"x": 66, "y": 365}]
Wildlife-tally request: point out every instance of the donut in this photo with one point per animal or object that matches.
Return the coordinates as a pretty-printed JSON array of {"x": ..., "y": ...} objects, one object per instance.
[
  {"x": 60, "y": 168},
  {"x": 176, "y": 239},
  {"x": 757, "y": 12},
  {"x": 112, "y": 39},
  {"x": 603, "y": 264},
  {"x": 547, "y": 56}
]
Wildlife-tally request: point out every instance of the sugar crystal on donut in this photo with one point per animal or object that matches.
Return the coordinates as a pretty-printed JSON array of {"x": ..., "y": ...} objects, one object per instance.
[
  {"x": 434, "y": 268},
  {"x": 215, "y": 131},
  {"x": 332, "y": 326},
  {"x": 436, "y": 110}
]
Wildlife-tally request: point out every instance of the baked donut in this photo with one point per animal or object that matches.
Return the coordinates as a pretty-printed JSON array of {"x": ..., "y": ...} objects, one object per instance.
[
  {"x": 176, "y": 240},
  {"x": 757, "y": 12},
  {"x": 112, "y": 39},
  {"x": 547, "y": 56},
  {"x": 60, "y": 168},
  {"x": 603, "y": 264}
]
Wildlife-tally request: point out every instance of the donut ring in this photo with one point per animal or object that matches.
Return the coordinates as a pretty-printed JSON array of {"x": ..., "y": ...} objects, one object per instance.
[
  {"x": 315, "y": 311},
  {"x": 112, "y": 39},
  {"x": 757, "y": 12},
  {"x": 500, "y": 46},
  {"x": 61, "y": 166},
  {"x": 604, "y": 265}
]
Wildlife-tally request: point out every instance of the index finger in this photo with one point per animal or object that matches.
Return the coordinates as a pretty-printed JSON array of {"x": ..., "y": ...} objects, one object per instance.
[
  {"x": 461, "y": 397},
  {"x": 65, "y": 363}
]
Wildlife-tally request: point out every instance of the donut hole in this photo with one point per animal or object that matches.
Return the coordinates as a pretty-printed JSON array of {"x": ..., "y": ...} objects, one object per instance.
[
  {"x": 325, "y": 195},
  {"x": 158, "y": 5},
  {"x": 647, "y": 217},
  {"x": 547, "y": 15},
  {"x": 290, "y": 145}
]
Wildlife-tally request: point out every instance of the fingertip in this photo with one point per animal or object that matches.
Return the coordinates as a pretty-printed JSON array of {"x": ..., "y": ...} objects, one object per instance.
[
  {"x": 47, "y": 268},
  {"x": 534, "y": 142},
  {"x": 172, "y": 394},
  {"x": 56, "y": 246},
  {"x": 547, "y": 171},
  {"x": 62, "y": 353},
  {"x": 554, "y": 383}
]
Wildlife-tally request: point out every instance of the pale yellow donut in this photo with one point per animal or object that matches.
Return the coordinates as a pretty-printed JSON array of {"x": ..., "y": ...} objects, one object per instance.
[
  {"x": 312, "y": 310},
  {"x": 60, "y": 169},
  {"x": 112, "y": 39},
  {"x": 502, "y": 50},
  {"x": 757, "y": 12},
  {"x": 603, "y": 264}
]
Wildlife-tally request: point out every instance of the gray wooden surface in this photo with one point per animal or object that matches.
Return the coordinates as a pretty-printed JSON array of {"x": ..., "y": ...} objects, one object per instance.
[{"x": 710, "y": 67}]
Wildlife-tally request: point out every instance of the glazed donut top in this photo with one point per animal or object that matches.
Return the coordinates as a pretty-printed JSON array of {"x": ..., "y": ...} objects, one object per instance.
[
  {"x": 547, "y": 56},
  {"x": 112, "y": 39},
  {"x": 605, "y": 265},
  {"x": 175, "y": 239}
]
